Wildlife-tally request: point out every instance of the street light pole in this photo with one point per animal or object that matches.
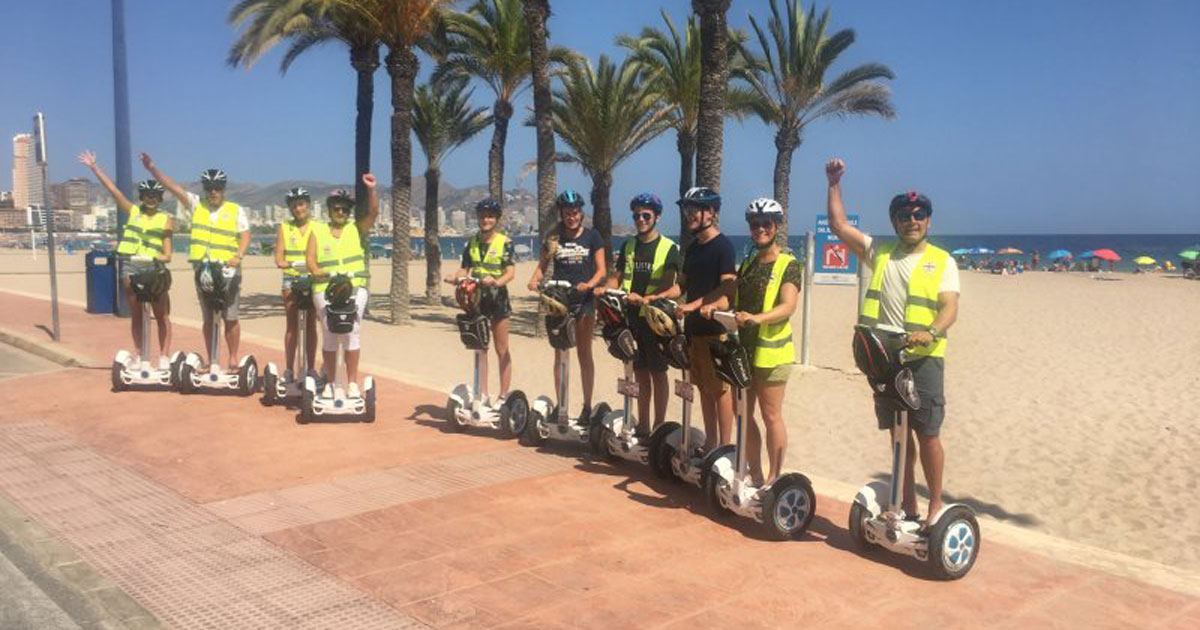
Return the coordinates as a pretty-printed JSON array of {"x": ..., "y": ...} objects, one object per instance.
[
  {"x": 39, "y": 141},
  {"x": 121, "y": 127}
]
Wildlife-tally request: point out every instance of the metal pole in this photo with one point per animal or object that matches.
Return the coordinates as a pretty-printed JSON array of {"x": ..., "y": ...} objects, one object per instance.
[
  {"x": 810, "y": 246},
  {"x": 39, "y": 132},
  {"x": 121, "y": 129},
  {"x": 864, "y": 280}
]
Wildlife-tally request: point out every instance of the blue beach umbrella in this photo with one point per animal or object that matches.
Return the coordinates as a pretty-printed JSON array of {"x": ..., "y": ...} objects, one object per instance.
[
  {"x": 1058, "y": 253},
  {"x": 1087, "y": 254},
  {"x": 960, "y": 251},
  {"x": 981, "y": 250}
]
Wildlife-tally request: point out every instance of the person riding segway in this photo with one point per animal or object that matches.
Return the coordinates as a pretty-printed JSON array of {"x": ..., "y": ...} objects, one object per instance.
[{"x": 291, "y": 247}]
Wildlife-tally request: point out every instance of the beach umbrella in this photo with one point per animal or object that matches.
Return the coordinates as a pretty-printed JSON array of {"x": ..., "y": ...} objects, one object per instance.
[
  {"x": 1189, "y": 254},
  {"x": 963, "y": 250},
  {"x": 1106, "y": 254},
  {"x": 1144, "y": 260},
  {"x": 1009, "y": 250},
  {"x": 1088, "y": 254},
  {"x": 1058, "y": 253}
]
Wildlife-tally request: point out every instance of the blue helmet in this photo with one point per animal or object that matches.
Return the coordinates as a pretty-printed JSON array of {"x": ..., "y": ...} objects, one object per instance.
[
  {"x": 701, "y": 196},
  {"x": 647, "y": 200},
  {"x": 569, "y": 199}
]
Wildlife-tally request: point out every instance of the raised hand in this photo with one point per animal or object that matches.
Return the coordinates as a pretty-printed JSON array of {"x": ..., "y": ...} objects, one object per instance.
[
  {"x": 146, "y": 161},
  {"x": 834, "y": 169},
  {"x": 88, "y": 159},
  {"x": 369, "y": 180}
]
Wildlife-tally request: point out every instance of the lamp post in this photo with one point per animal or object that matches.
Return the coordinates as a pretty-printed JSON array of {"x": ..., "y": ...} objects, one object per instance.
[{"x": 121, "y": 128}]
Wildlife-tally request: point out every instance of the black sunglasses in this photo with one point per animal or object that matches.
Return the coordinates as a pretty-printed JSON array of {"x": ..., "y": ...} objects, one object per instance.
[
  {"x": 920, "y": 214},
  {"x": 643, "y": 216},
  {"x": 761, "y": 224}
]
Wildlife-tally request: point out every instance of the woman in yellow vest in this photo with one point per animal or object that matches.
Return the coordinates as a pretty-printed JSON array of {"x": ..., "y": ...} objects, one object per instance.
[
  {"x": 335, "y": 248},
  {"x": 291, "y": 246},
  {"x": 489, "y": 256},
  {"x": 147, "y": 234},
  {"x": 764, "y": 299}
]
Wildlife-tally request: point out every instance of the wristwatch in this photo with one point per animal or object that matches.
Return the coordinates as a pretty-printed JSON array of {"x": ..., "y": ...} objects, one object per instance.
[{"x": 934, "y": 331}]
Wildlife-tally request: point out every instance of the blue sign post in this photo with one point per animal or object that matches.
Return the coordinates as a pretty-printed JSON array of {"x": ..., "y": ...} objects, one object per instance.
[{"x": 833, "y": 262}]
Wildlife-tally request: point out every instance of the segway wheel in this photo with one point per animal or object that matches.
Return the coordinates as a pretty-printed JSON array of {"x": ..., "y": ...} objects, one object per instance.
[
  {"x": 598, "y": 439},
  {"x": 118, "y": 384},
  {"x": 858, "y": 526},
  {"x": 176, "y": 364},
  {"x": 452, "y": 408},
  {"x": 788, "y": 507},
  {"x": 186, "y": 386},
  {"x": 369, "y": 401},
  {"x": 514, "y": 415},
  {"x": 306, "y": 406},
  {"x": 270, "y": 388},
  {"x": 532, "y": 435},
  {"x": 712, "y": 482},
  {"x": 661, "y": 453},
  {"x": 954, "y": 543},
  {"x": 248, "y": 377}
]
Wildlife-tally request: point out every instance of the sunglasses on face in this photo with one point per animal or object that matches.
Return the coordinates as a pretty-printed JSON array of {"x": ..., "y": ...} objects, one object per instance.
[
  {"x": 761, "y": 224},
  {"x": 690, "y": 210},
  {"x": 903, "y": 216},
  {"x": 643, "y": 216}
]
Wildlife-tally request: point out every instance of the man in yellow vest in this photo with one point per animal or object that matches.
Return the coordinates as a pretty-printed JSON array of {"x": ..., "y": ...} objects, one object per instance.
[
  {"x": 291, "y": 245},
  {"x": 220, "y": 232},
  {"x": 647, "y": 265},
  {"x": 490, "y": 257},
  {"x": 914, "y": 288},
  {"x": 147, "y": 233}
]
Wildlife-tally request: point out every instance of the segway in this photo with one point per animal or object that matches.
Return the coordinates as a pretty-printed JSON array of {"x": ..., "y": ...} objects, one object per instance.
[
  {"x": 277, "y": 388},
  {"x": 469, "y": 405},
  {"x": 331, "y": 401},
  {"x": 129, "y": 371},
  {"x": 785, "y": 508},
  {"x": 216, "y": 282},
  {"x": 549, "y": 419},
  {"x": 673, "y": 445},
  {"x": 616, "y": 435},
  {"x": 950, "y": 543}
]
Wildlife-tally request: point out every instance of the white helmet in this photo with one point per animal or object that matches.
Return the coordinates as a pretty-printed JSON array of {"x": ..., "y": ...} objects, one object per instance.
[{"x": 766, "y": 208}]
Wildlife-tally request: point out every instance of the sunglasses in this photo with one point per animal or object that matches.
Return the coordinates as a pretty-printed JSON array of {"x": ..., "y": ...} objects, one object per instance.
[
  {"x": 903, "y": 216},
  {"x": 761, "y": 224},
  {"x": 695, "y": 209},
  {"x": 643, "y": 216}
]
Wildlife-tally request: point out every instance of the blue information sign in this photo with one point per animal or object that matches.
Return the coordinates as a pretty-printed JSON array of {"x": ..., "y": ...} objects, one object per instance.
[{"x": 833, "y": 262}]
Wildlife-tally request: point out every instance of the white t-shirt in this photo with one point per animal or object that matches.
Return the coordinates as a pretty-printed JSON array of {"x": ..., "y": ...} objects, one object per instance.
[{"x": 894, "y": 292}]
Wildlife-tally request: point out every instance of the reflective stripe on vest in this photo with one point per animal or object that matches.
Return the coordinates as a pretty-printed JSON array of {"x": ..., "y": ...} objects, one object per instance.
[
  {"x": 295, "y": 245},
  {"x": 921, "y": 306},
  {"x": 218, "y": 241},
  {"x": 774, "y": 346},
  {"x": 657, "y": 268},
  {"x": 143, "y": 234},
  {"x": 491, "y": 263},
  {"x": 339, "y": 254}
]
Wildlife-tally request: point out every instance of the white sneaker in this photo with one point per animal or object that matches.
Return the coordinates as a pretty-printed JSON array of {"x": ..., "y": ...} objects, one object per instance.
[
  {"x": 339, "y": 393},
  {"x": 352, "y": 391},
  {"x": 328, "y": 391},
  {"x": 164, "y": 363}
]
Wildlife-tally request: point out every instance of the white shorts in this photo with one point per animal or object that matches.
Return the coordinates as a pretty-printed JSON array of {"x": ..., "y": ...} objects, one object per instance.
[{"x": 330, "y": 341}]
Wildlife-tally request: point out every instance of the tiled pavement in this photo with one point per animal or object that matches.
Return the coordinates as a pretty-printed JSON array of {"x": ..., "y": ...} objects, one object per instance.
[{"x": 224, "y": 514}]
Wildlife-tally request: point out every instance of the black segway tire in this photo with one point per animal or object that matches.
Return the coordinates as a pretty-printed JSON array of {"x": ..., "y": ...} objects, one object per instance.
[
  {"x": 248, "y": 377},
  {"x": 660, "y": 453},
  {"x": 118, "y": 385},
  {"x": 452, "y": 407},
  {"x": 532, "y": 436},
  {"x": 789, "y": 507},
  {"x": 270, "y": 389},
  {"x": 954, "y": 543},
  {"x": 176, "y": 363},
  {"x": 306, "y": 405},
  {"x": 185, "y": 378},
  {"x": 858, "y": 526},
  {"x": 514, "y": 415}
]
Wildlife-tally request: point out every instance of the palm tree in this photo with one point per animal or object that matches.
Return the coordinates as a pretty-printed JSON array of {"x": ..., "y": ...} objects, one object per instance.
[
  {"x": 710, "y": 128},
  {"x": 604, "y": 116},
  {"x": 672, "y": 66},
  {"x": 536, "y": 14},
  {"x": 790, "y": 88},
  {"x": 442, "y": 120},
  {"x": 491, "y": 43},
  {"x": 306, "y": 25}
]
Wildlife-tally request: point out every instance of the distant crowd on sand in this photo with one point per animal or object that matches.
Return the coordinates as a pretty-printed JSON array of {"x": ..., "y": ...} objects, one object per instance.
[{"x": 1010, "y": 266}]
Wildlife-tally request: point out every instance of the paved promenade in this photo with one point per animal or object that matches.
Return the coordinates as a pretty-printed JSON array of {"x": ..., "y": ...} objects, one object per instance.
[{"x": 215, "y": 512}]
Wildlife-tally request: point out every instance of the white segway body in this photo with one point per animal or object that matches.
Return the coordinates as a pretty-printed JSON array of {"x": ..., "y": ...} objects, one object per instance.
[
  {"x": 465, "y": 409},
  {"x": 193, "y": 379},
  {"x": 670, "y": 450},
  {"x": 616, "y": 437},
  {"x": 785, "y": 508},
  {"x": 331, "y": 404},
  {"x": 279, "y": 391},
  {"x": 544, "y": 424},
  {"x": 130, "y": 372}
]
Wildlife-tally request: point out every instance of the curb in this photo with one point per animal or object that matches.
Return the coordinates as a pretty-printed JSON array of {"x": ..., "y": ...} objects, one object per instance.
[
  {"x": 89, "y": 598},
  {"x": 48, "y": 350}
]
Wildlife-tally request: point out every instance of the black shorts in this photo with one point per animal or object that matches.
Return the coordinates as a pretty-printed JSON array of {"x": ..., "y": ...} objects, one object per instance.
[
  {"x": 582, "y": 305},
  {"x": 930, "y": 376},
  {"x": 495, "y": 305},
  {"x": 649, "y": 357}
]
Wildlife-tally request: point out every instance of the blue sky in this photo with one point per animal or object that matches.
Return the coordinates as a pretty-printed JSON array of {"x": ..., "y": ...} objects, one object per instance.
[{"x": 1014, "y": 117}]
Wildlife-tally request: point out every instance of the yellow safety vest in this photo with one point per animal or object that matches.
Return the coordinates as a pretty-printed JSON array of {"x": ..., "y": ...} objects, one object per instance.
[
  {"x": 657, "y": 268},
  {"x": 490, "y": 263},
  {"x": 774, "y": 346},
  {"x": 295, "y": 245},
  {"x": 339, "y": 254},
  {"x": 143, "y": 234},
  {"x": 920, "y": 308},
  {"x": 218, "y": 241}
]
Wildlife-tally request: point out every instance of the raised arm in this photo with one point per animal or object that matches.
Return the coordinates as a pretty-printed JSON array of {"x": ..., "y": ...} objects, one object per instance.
[
  {"x": 167, "y": 182},
  {"x": 368, "y": 220},
  {"x": 850, "y": 235},
  {"x": 88, "y": 159}
]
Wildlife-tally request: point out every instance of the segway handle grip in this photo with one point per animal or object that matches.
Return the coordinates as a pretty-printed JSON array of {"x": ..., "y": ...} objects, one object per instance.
[
  {"x": 298, "y": 264},
  {"x": 141, "y": 259},
  {"x": 726, "y": 319},
  {"x": 619, "y": 293},
  {"x": 547, "y": 284}
]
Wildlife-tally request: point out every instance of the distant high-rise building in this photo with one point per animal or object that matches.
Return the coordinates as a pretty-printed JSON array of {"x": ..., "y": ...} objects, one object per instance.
[
  {"x": 458, "y": 220},
  {"x": 27, "y": 177}
]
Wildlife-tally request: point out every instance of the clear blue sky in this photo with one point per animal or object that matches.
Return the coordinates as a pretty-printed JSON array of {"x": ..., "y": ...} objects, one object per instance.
[{"x": 1015, "y": 117}]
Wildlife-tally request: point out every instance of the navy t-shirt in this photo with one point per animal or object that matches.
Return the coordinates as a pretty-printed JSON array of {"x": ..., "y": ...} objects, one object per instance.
[
  {"x": 703, "y": 266},
  {"x": 575, "y": 259}
]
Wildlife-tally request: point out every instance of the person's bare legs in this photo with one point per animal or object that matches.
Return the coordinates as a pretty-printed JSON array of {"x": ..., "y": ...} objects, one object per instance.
[
  {"x": 724, "y": 408},
  {"x": 329, "y": 365},
  {"x": 351, "y": 365},
  {"x": 753, "y": 443},
  {"x": 233, "y": 337},
  {"x": 291, "y": 334},
  {"x": 503, "y": 357},
  {"x": 770, "y": 404},
  {"x": 208, "y": 333},
  {"x": 662, "y": 395},
  {"x": 708, "y": 409},
  {"x": 310, "y": 334},
  {"x": 162, "y": 315},
  {"x": 135, "y": 318},
  {"x": 933, "y": 461},
  {"x": 587, "y": 365}
]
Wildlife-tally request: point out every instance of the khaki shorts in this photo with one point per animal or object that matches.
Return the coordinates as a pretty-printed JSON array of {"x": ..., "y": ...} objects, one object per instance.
[
  {"x": 704, "y": 373},
  {"x": 777, "y": 374}
]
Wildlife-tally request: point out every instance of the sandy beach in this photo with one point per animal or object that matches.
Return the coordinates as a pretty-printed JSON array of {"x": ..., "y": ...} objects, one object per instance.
[{"x": 1073, "y": 403}]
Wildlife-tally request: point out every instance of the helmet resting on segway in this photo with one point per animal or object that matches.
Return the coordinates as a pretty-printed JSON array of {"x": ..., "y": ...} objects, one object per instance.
[{"x": 151, "y": 283}]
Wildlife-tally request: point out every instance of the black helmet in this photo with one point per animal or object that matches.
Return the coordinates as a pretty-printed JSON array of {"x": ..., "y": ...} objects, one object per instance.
[
  {"x": 488, "y": 205},
  {"x": 569, "y": 199},
  {"x": 910, "y": 199},
  {"x": 701, "y": 196},
  {"x": 339, "y": 198},
  {"x": 213, "y": 179},
  {"x": 340, "y": 291},
  {"x": 150, "y": 187},
  {"x": 297, "y": 194}
]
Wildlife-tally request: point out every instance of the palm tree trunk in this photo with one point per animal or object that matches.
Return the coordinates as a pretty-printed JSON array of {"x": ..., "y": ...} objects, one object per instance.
[
  {"x": 536, "y": 13},
  {"x": 685, "y": 141},
  {"x": 785, "y": 147},
  {"x": 710, "y": 128},
  {"x": 433, "y": 249},
  {"x": 502, "y": 111},
  {"x": 365, "y": 61},
  {"x": 402, "y": 68},
  {"x": 602, "y": 213}
]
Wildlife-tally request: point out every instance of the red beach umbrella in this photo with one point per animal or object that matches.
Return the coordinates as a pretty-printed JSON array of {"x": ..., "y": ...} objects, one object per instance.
[{"x": 1106, "y": 254}]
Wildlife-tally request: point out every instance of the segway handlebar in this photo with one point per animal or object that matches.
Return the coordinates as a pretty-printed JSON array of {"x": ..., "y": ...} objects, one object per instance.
[
  {"x": 550, "y": 284},
  {"x": 141, "y": 259},
  {"x": 726, "y": 319}
]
